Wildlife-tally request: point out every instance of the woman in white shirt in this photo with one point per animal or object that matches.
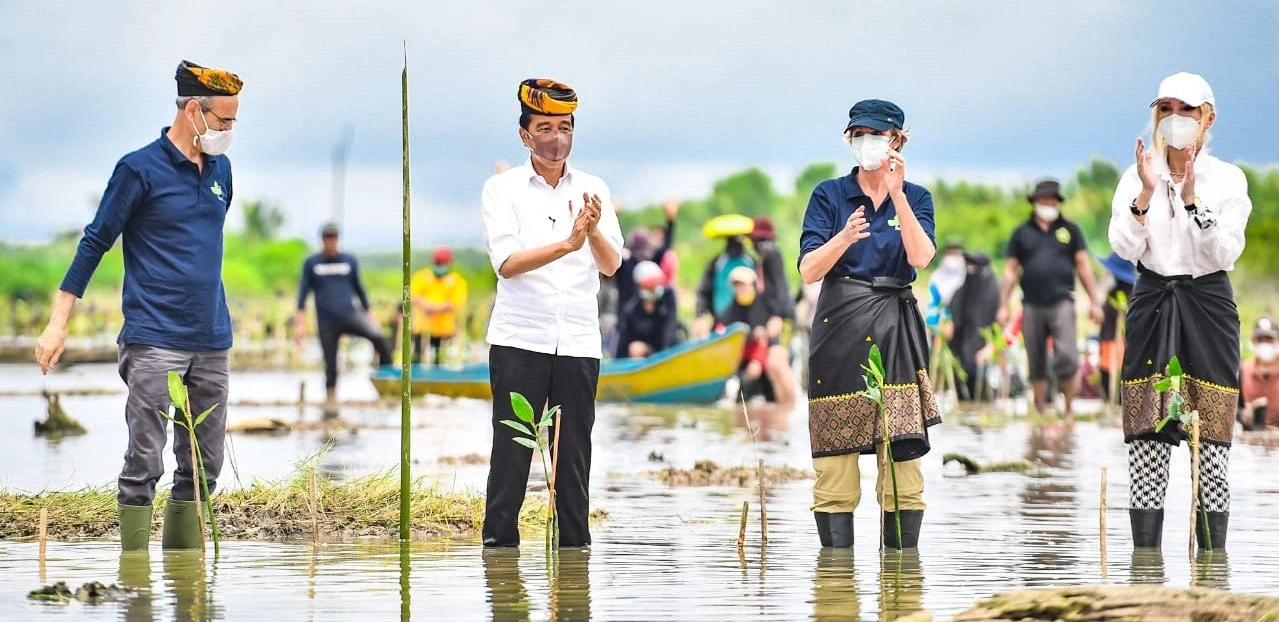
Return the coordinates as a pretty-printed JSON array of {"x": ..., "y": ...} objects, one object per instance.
[{"x": 1180, "y": 214}]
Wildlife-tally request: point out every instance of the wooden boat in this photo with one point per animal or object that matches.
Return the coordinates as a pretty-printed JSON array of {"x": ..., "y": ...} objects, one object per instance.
[{"x": 690, "y": 373}]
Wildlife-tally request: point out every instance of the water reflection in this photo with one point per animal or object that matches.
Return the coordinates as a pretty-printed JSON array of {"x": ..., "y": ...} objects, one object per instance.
[
  {"x": 507, "y": 596},
  {"x": 835, "y": 586},
  {"x": 186, "y": 580},
  {"x": 135, "y": 574},
  {"x": 1212, "y": 570},
  {"x": 405, "y": 593},
  {"x": 1050, "y": 499},
  {"x": 901, "y": 584},
  {"x": 1147, "y": 567},
  {"x": 571, "y": 585}
]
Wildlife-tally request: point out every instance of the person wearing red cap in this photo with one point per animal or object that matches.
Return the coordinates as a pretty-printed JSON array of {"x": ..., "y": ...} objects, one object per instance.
[
  {"x": 775, "y": 290},
  {"x": 1180, "y": 214},
  {"x": 439, "y": 297},
  {"x": 649, "y": 323}
]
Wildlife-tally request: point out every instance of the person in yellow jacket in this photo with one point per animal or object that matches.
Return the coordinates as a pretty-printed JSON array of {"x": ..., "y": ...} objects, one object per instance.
[{"x": 439, "y": 296}]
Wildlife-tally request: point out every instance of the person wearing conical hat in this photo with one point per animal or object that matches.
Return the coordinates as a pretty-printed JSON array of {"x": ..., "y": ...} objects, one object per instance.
[
  {"x": 169, "y": 202},
  {"x": 551, "y": 230}
]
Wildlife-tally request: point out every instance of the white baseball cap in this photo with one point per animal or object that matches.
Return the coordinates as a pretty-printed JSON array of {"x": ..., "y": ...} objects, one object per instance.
[{"x": 1191, "y": 88}]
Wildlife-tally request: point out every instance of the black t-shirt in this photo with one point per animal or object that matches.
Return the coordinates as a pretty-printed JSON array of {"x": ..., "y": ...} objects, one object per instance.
[
  {"x": 1047, "y": 260},
  {"x": 658, "y": 329},
  {"x": 755, "y": 316}
]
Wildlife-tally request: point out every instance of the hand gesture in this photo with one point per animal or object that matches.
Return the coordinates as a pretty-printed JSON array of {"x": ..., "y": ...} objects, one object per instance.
[
  {"x": 855, "y": 227},
  {"x": 1146, "y": 167},
  {"x": 594, "y": 206},
  {"x": 671, "y": 207},
  {"x": 1188, "y": 183},
  {"x": 50, "y": 346},
  {"x": 582, "y": 225},
  {"x": 896, "y": 174}
]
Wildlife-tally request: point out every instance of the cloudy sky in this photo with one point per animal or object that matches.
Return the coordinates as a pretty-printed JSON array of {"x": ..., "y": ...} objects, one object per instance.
[{"x": 674, "y": 94}]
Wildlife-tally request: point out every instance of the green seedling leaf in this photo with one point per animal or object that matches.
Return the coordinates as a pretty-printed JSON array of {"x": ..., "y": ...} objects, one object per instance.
[
  {"x": 527, "y": 442},
  {"x": 177, "y": 390},
  {"x": 522, "y": 408},
  {"x": 1163, "y": 385},
  {"x": 1174, "y": 367},
  {"x": 1159, "y": 427},
  {"x": 551, "y": 414},
  {"x": 517, "y": 426},
  {"x": 200, "y": 419}
]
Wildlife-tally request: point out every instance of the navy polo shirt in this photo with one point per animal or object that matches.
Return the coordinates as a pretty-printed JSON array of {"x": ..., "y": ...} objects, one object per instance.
[
  {"x": 881, "y": 254},
  {"x": 171, "y": 217},
  {"x": 1047, "y": 259},
  {"x": 336, "y": 282}
]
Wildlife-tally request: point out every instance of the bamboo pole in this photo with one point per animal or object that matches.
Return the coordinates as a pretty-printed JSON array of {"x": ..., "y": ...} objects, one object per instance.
[
  {"x": 406, "y": 318},
  {"x": 1195, "y": 508},
  {"x": 555, "y": 465},
  {"x": 741, "y": 530},
  {"x": 44, "y": 539},
  {"x": 313, "y": 496},
  {"x": 1102, "y": 523},
  {"x": 196, "y": 467},
  {"x": 763, "y": 506}
]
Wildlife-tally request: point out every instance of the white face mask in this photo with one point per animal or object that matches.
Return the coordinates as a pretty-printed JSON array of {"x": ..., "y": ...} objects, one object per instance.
[
  {"x": 1266, "y": 352},
  {"x": 1046, "y": 213},
  {"x": 1178, "y": 131},
  {"x": 870, "y": 150},
  {"x": 212, "y": 142}
]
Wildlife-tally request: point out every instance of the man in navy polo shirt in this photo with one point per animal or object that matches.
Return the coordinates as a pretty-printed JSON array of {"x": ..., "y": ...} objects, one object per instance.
[
  {"x": 169, "y": 201},
  {"x": 1046, "y": 252}
]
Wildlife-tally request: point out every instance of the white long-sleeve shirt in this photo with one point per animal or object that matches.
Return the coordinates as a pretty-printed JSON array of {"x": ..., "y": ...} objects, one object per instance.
[
  {"x": 1170, "y": 243},
  {"x": 553, "y": 309}
]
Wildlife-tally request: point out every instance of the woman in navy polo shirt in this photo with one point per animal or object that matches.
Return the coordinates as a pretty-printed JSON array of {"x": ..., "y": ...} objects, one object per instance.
[{"x": 864, "y": 236}]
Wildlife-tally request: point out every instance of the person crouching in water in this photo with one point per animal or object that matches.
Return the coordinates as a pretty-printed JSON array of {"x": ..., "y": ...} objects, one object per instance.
[
  {"x": 648, "y": 323},
  {"x": 865, "y": 235}
]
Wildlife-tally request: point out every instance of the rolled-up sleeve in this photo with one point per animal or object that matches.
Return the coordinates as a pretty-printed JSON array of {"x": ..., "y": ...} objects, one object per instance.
[
  {"x": 1220, "y": 245},
  {"x": 1128, "y": 238},
  {"x": 123, "y": 194},
  {"x": 819, "y": 222},
  {"x": 501, "y": 225}
]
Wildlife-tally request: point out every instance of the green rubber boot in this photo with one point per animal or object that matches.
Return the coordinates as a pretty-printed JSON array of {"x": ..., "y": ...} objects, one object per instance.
[
  {"x": 135, "y": 527},
  {"x": 181, "y": 525}
]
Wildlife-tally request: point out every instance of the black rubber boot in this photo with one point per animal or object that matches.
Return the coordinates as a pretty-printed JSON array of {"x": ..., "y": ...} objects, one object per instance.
[
  {"x": 835, "y": 529},
  {"x": 912, "y": 520},
  {"x": 1217, "y": 523},
  {"x": 1147, "y": 528}
]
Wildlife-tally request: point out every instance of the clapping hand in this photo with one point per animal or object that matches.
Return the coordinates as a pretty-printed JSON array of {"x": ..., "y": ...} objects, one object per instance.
[{"x": 1146, "y": 167}]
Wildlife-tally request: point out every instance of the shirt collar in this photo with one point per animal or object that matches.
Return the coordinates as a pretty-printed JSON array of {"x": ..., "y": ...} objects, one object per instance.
[
  {"x": 533, "y": 175},
  {"x": 1165, "y": 173},
  {"x": 175, "y": 155},
  {"x": 852, "y": 189}
]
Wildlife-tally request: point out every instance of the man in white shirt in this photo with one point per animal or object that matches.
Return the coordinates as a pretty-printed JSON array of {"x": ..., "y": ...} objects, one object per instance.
[{"x": 551, "y": 231}]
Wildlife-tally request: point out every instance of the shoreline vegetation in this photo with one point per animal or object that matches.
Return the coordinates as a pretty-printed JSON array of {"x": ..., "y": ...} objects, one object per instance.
[
  {"x": 260, "y": 269},
  {"x": 363, "y": 508}
]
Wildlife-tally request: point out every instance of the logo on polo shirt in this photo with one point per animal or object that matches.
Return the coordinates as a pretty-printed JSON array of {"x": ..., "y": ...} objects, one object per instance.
[
  {"x": 216, "y": 189},
  {"x": 1063, "y": 235},
  {"x": 895, "y": 223},
  {"x": 332, "y": 269}
]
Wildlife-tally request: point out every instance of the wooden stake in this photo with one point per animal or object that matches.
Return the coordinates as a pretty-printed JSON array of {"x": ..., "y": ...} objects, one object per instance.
[
  {"x": 44, "y": 538},
  {"x": 555, "y": 465},
  {"x": 314, "y": 497},
  {"x": 1194, "y": 480},
  {"x": 763, "y": 506},
  {"x": 1102, "y": 523},
  {"x": 741, "y": 531}
]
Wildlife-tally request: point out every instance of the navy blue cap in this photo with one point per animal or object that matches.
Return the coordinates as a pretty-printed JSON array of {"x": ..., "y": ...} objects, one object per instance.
[{"x": 876, "y": 114}]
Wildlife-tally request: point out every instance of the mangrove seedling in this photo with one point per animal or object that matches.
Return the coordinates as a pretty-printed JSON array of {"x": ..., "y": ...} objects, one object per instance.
[
  {"x": 181, "y": 403},
  {"x": 874, "y": 391},
  {"x": 1171, "y": 384},
  {"x": 536, "y": 437}
]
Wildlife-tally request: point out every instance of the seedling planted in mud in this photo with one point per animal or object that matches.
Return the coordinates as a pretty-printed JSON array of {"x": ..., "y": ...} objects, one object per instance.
[
  {"x": 181, "y": 403},
  {"x": 1171, "y": 384},
  {"x": 874, "y": 379},
  {"x": 537, "y": 438}
]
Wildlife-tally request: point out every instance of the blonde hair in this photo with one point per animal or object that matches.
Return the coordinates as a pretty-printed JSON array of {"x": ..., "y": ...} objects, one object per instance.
[
  {"x": 1206, "y": 113},
  {"x": 897, "y": 134}
]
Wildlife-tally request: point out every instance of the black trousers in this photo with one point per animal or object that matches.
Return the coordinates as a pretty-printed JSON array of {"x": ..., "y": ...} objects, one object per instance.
[
  {"x": 437, "y": 348},
  {"x": 331, "y": 329},
  {"x": 545, "y": 379}
]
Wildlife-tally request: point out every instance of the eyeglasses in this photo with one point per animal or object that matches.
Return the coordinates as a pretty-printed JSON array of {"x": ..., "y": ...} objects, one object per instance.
[{"x": 227, "y": 122}]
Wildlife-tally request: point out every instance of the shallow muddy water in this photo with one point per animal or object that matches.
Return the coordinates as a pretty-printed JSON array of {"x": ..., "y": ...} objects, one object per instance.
[{"x": 663, "y": 553}]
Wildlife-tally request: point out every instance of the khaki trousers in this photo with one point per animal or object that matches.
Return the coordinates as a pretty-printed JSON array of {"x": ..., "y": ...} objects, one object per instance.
[{"x": 839, "y": 484}]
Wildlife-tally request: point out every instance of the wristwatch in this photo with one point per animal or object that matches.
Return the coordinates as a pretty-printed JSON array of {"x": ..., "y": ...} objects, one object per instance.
[
  {"x": 1136, "y": 211},
  {"x": 1193, "y": 205}
]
